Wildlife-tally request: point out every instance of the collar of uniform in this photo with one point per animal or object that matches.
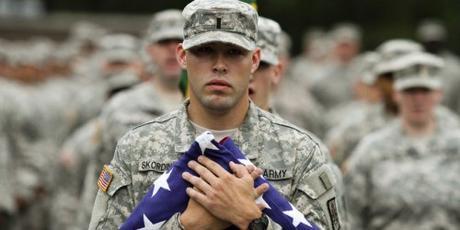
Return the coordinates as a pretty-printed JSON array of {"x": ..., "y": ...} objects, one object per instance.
[{"x": 246, "y": 137}]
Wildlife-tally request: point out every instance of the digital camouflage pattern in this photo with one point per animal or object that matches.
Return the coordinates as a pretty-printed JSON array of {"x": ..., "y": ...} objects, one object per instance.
[
  {"x": 397, "y": 182},
  {"x": 343, "y": 138},
  {"x": 167, "y": 24},
  {"x": 268, "y": 40},
  {"x": 227, "y": 21},
  {"x": 291, "y": 159}
]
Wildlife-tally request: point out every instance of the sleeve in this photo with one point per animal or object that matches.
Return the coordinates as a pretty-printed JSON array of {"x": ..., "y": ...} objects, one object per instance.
[
  {"x": 114, "y": 201},
  {"x": 318, "y": 190},
  {"x": 357, "y": 185}
]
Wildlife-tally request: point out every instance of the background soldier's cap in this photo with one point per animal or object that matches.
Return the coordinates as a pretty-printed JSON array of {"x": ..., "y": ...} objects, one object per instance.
[
  {"x": 227, "y": 21},
  {"x": 365, "y": 67},
  {"x": 419, "y": 69},
  {"x": 166, "y": 24},
  {"x": 119, "y": 47},
  {"x": 391, "y": 50},
  {"x": 268, "y": 40}
]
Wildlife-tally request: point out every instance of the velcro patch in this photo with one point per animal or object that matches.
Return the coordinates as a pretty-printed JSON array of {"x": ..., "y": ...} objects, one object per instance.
[
  {"x": 333, "y": 214},
  {"x": 105, "y": 178}
]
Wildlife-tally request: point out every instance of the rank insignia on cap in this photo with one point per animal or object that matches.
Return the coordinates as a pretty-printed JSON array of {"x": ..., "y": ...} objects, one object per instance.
[{"x": 105, "y": 178}]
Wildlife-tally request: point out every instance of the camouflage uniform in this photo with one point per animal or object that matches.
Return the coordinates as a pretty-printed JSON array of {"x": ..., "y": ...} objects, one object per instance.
[
  {"x": 394, "y": 183},
  {"x": 83, "y": 144},
  {"x": 399, "y": 180},
  {"x": 299, "y": 107},
  {"x": 148, "y": 150},
  {"x": 343, "y": 139}
]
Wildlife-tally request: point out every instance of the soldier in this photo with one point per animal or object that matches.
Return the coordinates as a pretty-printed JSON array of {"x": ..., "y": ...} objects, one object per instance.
[
  {"x": 264, "y": 81},
  {"x": 152, "y": 98},
  {"x": 335, "y": 87},
  {"x": 343, "y": 138},
  {"x": 434, "y": 37},
  {"x": 405, "y": 176},
  {"x": 219, "y": 53}
]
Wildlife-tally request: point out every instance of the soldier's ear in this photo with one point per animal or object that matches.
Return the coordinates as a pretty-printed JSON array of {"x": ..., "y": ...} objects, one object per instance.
[
  {"x": 181, "y": 56},
  {"x": 255, "y": 60}
]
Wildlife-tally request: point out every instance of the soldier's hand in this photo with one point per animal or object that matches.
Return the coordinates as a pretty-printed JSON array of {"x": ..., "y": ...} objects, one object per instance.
[
  {"x": 227, "y": 196},
  {"x": 196, "y": 216}
]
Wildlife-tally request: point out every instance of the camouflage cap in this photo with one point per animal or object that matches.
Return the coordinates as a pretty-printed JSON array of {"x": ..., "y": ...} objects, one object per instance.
[
  {"x": 418, "y": 69},
  {"x": 166, "y": 24},
  {"x": 227, "y": 21},
  {"x": 346, "y": 32},
  {"x": 268, "y": 40},
  {"x": 366, "y": 66},
  {"x": 118, "y": 47},
  {"x": 392, "y": 49}
]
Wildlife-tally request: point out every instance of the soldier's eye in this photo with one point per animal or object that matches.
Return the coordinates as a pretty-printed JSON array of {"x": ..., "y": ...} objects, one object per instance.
[
  {"x": 235, "y": 52},
  {"x": 202, "y": 50}
]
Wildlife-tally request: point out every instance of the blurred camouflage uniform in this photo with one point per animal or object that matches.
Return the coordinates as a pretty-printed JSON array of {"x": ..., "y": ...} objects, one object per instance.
[
  {"x": 343, "y": 137},
  {"x": 393, "y": 184},
  {"x": 148, "y": 150},
  {"x": 86, "y": 141},
  {"x": 335, "y": 87},
  {"x": 399, "y": 180}
]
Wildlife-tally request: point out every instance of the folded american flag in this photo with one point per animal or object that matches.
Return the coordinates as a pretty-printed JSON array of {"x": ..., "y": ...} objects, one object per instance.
[{"x": 167, "y": 196}]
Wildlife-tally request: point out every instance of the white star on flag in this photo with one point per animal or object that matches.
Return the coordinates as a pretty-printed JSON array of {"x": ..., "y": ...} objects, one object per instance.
[
  {"x": 260, "y": 200},
  {"x": 204, "y": 140},
  {"x": 161, "y": 182},
  {"x": 149, "y": 226},
  {"x": 245, "y": 162},
  {"x": 297, "y": 217}
]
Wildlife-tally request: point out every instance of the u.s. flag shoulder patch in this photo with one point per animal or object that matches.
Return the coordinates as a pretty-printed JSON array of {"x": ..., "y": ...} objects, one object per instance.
[{"x": 105, "y": 178}]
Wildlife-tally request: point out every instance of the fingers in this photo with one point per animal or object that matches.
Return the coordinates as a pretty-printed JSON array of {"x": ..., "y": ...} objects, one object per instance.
[
  {"x": 261, "y": 189},
  {"x": 239, "y": 169},
  {"x": 256, "y": 173},
  {"x": 197, "y": 182},
  {"x": 203, "y": 172},
  {"x": 197, "y": 196},
  {"x": 212, "y": 166}
]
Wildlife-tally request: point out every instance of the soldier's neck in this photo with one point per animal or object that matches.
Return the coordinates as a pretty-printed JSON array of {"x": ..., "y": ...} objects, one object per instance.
[
  {"x": 217, "y": 120},
  {"x": 419, "y": 129}
]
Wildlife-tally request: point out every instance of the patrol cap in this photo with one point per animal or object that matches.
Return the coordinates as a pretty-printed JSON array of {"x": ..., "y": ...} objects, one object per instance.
[
  {"x": 418, "y": 69},
  {"x": 346, "y": 32},
  {"x": 268, "y": 40},
  {"x": 118, "y": 47},
  {"x": 227, "y": 21},
  {"x": 166, "y": 24},
  {"x": 285, "y": 44},
  {"x": 393, "y": 49},
  {"x": 366, "y": 67},
  {"x": 431, "y": 30}
]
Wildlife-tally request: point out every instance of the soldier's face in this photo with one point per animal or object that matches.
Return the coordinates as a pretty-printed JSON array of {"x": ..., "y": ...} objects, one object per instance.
[
  {"x": 218, "y": 74},
  {"x": 163, "y": 55},
  {"x": 262, "y": 84},
  {"x": 417, "y": 105}
]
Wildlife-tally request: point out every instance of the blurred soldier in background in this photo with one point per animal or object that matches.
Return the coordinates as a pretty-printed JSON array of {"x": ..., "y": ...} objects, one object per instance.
[
  {"x": 292, "y": 99},
  {"x": 433, "y": 35},
  {"x": 405, "y": 176},
  {"x": 335, "y": 87},
  {"x": 154, "y": 97},
  {"x": 118, "y": 58},
  {"x": 343, "y": 138}
]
